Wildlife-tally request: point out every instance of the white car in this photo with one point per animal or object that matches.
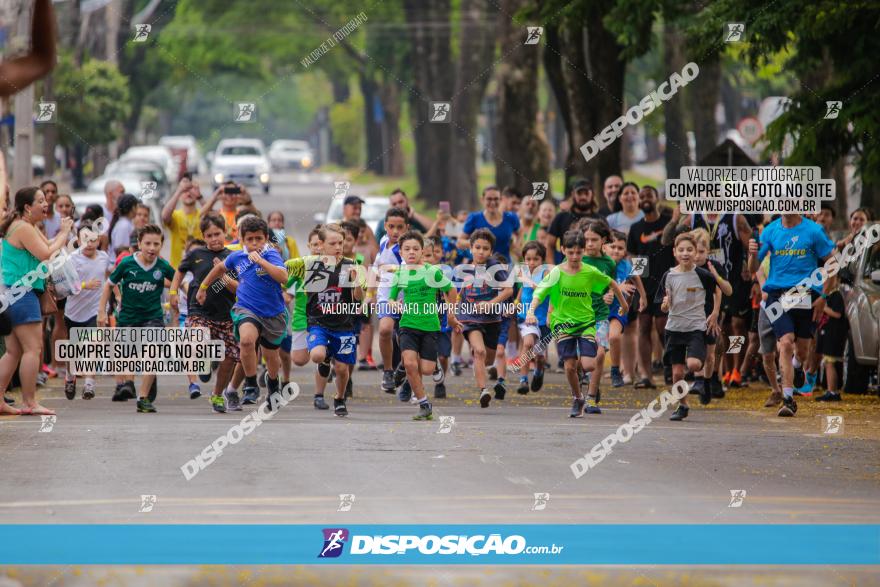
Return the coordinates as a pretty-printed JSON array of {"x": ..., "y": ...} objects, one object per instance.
[
  {"x": 133, "y": 184},
  {"x": 291, "y": 155},
  {"x": 243, "y": 161},
  {"x": 161, "y": 155},
  {"x": 372, "y": 210},
  {"x": 188, "y": 142}
]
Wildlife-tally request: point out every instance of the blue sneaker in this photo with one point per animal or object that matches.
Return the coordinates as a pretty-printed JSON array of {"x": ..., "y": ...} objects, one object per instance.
[
  {"x": 806, "y": 389},
  {"x": 592, "y": 406},
  {"x": 251, "y": 395},
  {"x": 405, "y": 392},
  {"x": 194, "y": 391}
]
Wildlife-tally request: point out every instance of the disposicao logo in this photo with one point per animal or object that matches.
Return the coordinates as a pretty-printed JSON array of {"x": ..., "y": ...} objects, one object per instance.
[{"x": 334, "y": 541}]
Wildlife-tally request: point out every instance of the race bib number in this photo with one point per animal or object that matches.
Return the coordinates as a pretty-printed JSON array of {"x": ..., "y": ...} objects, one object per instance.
[
  {"x": 796, "y": 302},
  {"x": 717, "y": 255}
]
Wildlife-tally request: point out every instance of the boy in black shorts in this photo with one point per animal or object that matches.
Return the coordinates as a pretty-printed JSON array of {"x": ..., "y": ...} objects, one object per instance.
[
  {"x": 479, "y": 312},
  {"x": 691, "y": 296},
  {"x": 419, "y": 315}
]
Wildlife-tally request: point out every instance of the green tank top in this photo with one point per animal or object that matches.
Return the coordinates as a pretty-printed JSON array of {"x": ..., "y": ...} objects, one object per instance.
[
  {"x": 533, "y": 235},
  {"x": 17, "y": 263}
]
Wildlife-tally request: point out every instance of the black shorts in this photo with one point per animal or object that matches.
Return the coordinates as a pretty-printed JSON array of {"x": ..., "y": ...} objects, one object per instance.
[
  {"x": 739, "y": 303},
  {"x": 653, "y": 308},
  {"x": 490, "y": 331},
  {"x": 753, "y": 325},
  {"x": 90, "y": 323},
  {"x": 633, "y": 314},
  {"x": 420, "y": 341},
  {"x": 711, "y": 338},
  {"x": 830, "y": 344},
  {"x": 444, "y": 344},
  {"x": 683, "y": 345}
]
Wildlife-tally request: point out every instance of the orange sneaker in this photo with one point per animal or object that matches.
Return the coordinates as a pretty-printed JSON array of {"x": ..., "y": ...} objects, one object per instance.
[
  {"x": 735, "y": 378},
  {"x": 725, "y": 379}
]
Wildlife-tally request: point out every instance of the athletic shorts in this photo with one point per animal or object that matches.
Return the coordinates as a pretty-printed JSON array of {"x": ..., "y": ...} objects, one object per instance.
[
  {"x": 602, "y": 334},
  {"x": 299, "y": 340},
  {"x": 653, "y": 308},
  {"x": 684, "y": 345},
  {"x": 341, "y": 344},
  {"x": 739, "y": 303},
  {"x": 489, "y": 330},
  {"x": 422, "y": 342},
  {"x": 383, "y": 311},
  {"x": 624, "y": 320},
  {"x": 572, "y": 347},
  {"x": 504, "y": 331},
  {"x": 285, "y": 344},
  {"x": 90, "y": 323},
  {"x": 272, "y": 329},
  {"x": 711, "y": 338},
  {"x": 766, "y": 337},
  {"x": 220, "y": 330},
  {"x": 444, "y": 344},
  {"x": 794, "y": 320}
]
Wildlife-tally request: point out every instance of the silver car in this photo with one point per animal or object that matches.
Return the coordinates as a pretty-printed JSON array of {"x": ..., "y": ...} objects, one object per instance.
[
  {"x": 291, "y": 155},
  {"x": 860, "y": 286}
]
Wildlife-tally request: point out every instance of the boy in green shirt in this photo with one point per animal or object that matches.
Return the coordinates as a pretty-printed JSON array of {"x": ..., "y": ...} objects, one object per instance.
[
  {"x": 141, "y": 279},
  {"x": 419, "y": 315},
  {"x": 570, "y": 286}
]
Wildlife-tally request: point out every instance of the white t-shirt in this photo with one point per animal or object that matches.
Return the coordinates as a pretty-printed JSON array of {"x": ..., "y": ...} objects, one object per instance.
[
  {"x": 121, "y": 235},
  {"x": 181, "y": 297},
  {"x": 52, "y": 225},
  {"x": 83, "y": 306},
  {"x": 388, "y": 255},
  {"x": 622, "y": 222}
]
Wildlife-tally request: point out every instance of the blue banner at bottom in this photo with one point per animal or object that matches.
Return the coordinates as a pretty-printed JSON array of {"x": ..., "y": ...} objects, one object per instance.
[{"x": 612, "y": 544}]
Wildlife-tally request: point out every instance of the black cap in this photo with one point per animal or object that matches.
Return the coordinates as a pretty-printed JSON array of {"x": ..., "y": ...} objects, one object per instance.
[
  {"x": 581, "y": 184},
  {"x": 352, "y": 200}
]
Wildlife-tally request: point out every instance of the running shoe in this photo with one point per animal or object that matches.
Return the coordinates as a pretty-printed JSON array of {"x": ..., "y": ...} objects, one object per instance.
[
  {"x": 154, "y": 390},
  {"x": 806, "y": 389},
  {"x": 828, "y": 396},
  {"x": 523, "y": 388},
  {"x": 8, "y": 400},
  {"x": 388, "y": 381},
  {"x": 537, "y": 381},
  {"x": 88, "y": 390},
  {"x": 485, "y": 398},
  {"x": 320, "y": 404},
  {"x": 439, "y": 375},
  {"x": 715, "y": 388},
  {"x": 348, "y": 389},
  {"x": 251, "y": 395},
  {"x": 217, "y": 404},
  {"x": 799, "y": 377},
  {"x": 363, "y": 365},
  {"x": 324, "y": 369},
  {"x": 339, "y": 407},
  {"x": 440, "y": 391},
  {"x": 145, "y": 406},
  {"x": 404, "y": 394},
  {"x": 726, "y": 378},
  {"x": 500, "y": 390},
  {"x": 493, "y": 373},
  {"x": 42, "y": 379},
  {"x": 701, "y": 388},
  {"x": 577, "y": 407},
  {"x": 119, "y": 394},
  {"x": 371, "y": 362},
  {"x": 195, "y": 391},
  {"x": 425, "y": 412},
  {"x": 399, "y": 375},
  {"x": 735, "y": 379},
  {"x": 49, "y": 371},
  {"x": 680, "y": 413},
  {"x": 456, "y": 368},
  {"x": 788, "y": 409},
  {"x": 233, "y": 401},
  {"x": 70, "y": 388},
  {"x": 592, "y": 405},
  {"x": 206, "y": 377},
  {"x": 585, "y": 379},
  {"x": 774, "y": 400},
  {"x": 616, "y": 377},
  {"x": 645, "y": 384}
]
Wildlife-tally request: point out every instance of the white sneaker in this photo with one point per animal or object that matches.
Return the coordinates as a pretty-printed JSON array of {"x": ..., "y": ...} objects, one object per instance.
[
  {"x": 89, "y": 389},
  {"x": 439, "y": 375}
]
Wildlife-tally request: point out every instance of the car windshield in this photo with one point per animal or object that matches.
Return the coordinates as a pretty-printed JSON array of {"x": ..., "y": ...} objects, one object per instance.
[
  {"x": 240, "y": 150},
  {"x": 372, "y": 211}
]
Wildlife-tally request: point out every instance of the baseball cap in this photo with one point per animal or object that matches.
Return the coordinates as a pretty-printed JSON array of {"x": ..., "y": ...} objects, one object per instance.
[
  {"x": 581, "y": 184},
  {"x": 352, "y": 200}
]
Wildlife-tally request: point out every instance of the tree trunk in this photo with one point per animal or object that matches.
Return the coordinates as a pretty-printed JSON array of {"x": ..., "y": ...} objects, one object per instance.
[
  {"x": 575, "y": 82},
  {"x": 703, "y": 93},
  {"x": 49, "y": 131},
  {"x": 677, "y": 154},
  {"x": 839, "y": 203},
  {"x": 607, "y": 66},
  {"x": 372, "y": 124},
  {"x": 391, "y": 102},
  {"x": 433, "y": 81},
  {"x": 553, "y": 69},
  {"x": 522, "y": 155}
]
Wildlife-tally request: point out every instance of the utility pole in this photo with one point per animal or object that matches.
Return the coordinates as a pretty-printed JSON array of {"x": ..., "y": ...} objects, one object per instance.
[{"x": 24, "y": 115}]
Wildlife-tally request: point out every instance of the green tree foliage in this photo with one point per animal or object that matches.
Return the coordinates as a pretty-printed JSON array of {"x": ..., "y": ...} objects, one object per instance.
[{"x": 93, "y": 101}]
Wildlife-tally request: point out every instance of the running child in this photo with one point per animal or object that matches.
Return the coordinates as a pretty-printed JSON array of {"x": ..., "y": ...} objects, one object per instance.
[
  {"x": 569, "y": 286},
  {"x": 214, "y": 313},
  {"x": 81, "y": 310},
  {"x": 259, "y": 314},
  {"x": 704, "y": 377},
  {"x": 833, "y": 330},
  {"x": 420, "y": 321},
  {"x": 621, "y": 340},
  {"x": 692, "y": 297},
  {"x": 481, "y": 296},
  {"x": 386, "y": 263},
  {"x": 533, "y": 255},
  {"x": 432, "y": 254},
  {"x": 333, "y": 287},
  {"x": 299, "y": 324},
  {"x": 195, "y": 391},
  {"x": 141, "y": 280}
]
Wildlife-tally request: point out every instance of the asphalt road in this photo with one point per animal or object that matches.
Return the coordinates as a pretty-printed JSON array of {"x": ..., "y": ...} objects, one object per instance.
[{"x": 100, "y": 457}]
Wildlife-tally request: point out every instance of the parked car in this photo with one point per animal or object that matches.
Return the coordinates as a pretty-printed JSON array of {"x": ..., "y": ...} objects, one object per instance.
[
  {"x": 291, "y": 155},
  {"x": 144, "y": 168},
  {"x": 243, "y": 161},
  {"x": 860, "y": 286},
  {"x": 161, "y": 155},
  {"x": 187, "y": 143},
  {"x": 372, "y": 211}
]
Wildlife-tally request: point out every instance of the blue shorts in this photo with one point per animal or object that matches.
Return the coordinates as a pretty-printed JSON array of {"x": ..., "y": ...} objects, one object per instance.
[
  {"x": 624, "y": 319},
  {"x": 504, "y": 333},
  {"x": 444, "y": 344},
  {"x": 576, "y": 346},
  {"x": 383, "y": 311},
  {"x": 794, "y": 320},
  {"x": 341, "y": 344},
  {"x": 287, "y": 343},
  {"x": 25, "y": 310}
]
